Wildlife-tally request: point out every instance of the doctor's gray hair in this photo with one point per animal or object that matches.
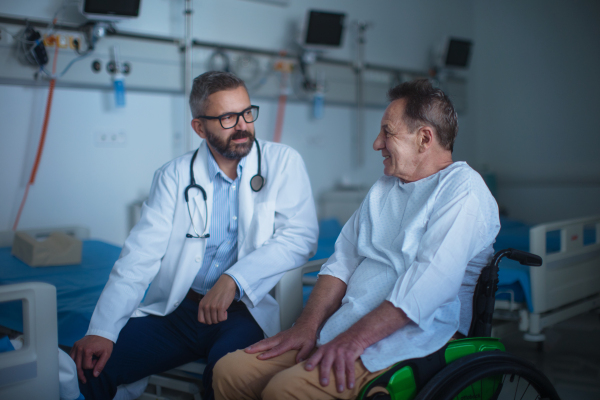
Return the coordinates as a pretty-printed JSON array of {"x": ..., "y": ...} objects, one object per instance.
[
  {"x": 208, "y": 83},
  {"x": 426, "y": 105}
]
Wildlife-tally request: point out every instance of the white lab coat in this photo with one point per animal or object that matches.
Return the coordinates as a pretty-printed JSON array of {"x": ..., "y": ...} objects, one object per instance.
[{"x": 277, "y": 231}]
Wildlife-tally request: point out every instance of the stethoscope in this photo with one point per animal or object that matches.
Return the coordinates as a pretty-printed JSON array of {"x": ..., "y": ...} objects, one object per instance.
[{"x": 256, "y": 183}]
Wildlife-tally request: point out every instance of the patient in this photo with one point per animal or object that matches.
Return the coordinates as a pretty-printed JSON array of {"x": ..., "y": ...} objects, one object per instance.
[{"x": 404, "y": 265}]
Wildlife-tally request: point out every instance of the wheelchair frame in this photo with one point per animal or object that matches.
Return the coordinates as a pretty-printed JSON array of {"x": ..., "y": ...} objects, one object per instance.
[{"x": 478, "y": 359}]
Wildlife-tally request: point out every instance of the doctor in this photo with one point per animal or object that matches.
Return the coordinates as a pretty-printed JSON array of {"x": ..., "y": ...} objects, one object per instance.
[{"x": 220, "y": 227}]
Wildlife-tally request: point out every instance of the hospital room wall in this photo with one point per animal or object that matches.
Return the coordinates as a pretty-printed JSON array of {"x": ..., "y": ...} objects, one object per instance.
[
  {"x": 534, "y": 96},
  {"x": 83, "y": 183}
]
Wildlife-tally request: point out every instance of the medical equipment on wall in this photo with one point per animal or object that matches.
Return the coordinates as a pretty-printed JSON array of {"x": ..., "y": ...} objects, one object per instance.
[
  {"x": 219, "y": 61},
  {"x": 247, "y": 67},
  {"x": 41, "y": 142},
  {"x": 31, "y": 44},
  {"x": 319, "y": 96},
  {"x": 118, "y": 79},
  {"x": 256, "y": 183},
  {"x": 321, "y": 31},
  {"x": 102, "y": 10},
  {"x": 449, "y": 55},
  {"x": 31, "y": 49}
]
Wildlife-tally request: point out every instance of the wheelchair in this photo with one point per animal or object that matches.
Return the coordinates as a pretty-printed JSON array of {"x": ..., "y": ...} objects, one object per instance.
[{"x": 473, "y": 368}]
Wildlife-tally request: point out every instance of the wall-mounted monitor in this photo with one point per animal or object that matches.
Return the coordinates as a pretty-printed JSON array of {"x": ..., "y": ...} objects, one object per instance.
[
  {"x": 110, "y": 10},
  {"x": 458, "y": 53},
  {"x": 322, "y": 30}
]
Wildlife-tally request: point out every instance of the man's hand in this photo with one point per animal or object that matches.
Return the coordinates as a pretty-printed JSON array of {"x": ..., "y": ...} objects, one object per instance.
[
  {"x": 341, "y": 354},
  {"x": 213, "y": 307},
  {"x": 85, "y": 349},
  {"x": 298, "y": 337}
]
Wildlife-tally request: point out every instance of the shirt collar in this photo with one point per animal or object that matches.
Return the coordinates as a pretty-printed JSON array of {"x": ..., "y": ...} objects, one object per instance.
[{"x": 214, "y": 169}]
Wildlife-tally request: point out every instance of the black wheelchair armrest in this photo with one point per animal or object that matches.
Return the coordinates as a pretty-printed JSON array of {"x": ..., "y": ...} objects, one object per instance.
[{"x": 523, "y": 257}]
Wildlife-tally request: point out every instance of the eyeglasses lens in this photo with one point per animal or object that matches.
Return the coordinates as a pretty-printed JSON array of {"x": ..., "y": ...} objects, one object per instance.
[{"x": 230, "y": 120}]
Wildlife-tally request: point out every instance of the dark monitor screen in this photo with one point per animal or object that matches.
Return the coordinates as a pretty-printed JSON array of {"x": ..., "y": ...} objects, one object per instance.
[
  {"x": 458, "y": 53},
  {"x": 128, "y": 8},
  {"x": 324, "y": 28}
]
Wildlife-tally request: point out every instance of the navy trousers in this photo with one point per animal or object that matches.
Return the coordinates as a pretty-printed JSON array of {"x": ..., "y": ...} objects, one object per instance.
[{"x": 150, "y": 345}]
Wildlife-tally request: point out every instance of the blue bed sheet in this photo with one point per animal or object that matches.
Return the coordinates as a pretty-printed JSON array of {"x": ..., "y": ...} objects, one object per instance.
[{"x": 78, "y": 287}]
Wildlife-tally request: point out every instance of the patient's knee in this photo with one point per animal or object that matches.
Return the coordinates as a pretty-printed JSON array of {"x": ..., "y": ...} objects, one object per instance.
[
  {"x": 230, "y": 365},
  {"x": 232, "y": 376},
  {"x": 285, "y": 385}
]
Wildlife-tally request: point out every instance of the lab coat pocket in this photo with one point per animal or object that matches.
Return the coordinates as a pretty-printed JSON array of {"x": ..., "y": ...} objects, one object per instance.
[{"x": 263, "y": 223}]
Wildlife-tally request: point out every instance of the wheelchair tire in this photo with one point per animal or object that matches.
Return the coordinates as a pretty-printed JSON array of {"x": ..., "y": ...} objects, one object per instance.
[{"x": 508, "y": 377}]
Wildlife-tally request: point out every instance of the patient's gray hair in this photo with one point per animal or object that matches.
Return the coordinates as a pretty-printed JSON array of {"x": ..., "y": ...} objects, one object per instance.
[
  {"x": 208, "y": 83},
  {"x": 426, "y": 105}
]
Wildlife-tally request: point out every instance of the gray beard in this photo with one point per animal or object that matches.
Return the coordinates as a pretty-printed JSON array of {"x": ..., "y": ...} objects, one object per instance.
[{"x": 229, "y": 150}]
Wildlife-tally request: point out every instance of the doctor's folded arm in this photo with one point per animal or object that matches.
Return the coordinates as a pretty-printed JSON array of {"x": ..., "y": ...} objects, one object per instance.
[
  {"x": 221, "y": 226},
  {"x": 400, "y": 283}
]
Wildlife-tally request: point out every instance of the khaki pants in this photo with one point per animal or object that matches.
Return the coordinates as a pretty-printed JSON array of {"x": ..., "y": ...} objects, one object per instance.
[{"x": 240, "y": 376}]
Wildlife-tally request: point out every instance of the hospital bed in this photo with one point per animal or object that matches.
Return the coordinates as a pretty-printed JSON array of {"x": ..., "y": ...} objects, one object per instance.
[
  {"x": 76, "y": 290},
  {"x": 567, "y": 284}
]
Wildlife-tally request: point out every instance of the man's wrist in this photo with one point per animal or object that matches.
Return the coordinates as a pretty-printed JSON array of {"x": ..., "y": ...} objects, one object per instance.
[
  {"x": 239, "y": 292},
  {"x": 308, "y": 324}
]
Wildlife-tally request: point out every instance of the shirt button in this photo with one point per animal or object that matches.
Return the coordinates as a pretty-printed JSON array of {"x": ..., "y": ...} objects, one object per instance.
[
  {"x": 198, "y": 259},
  {"x": 233, "y": 187},
  {"x": 234, "y": 218}
]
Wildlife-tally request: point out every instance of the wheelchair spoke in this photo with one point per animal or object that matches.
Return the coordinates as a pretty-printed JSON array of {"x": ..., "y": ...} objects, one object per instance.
[
  {"x": 526, "y": 389},
  {"x": 517, "y": 388},
  {"x": 495, "y": 376}
]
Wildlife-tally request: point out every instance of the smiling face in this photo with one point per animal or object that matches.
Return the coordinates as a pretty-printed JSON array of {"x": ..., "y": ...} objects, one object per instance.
[
  {"x": 400, "y": 147},
  {"x": 234, "y": 143}
]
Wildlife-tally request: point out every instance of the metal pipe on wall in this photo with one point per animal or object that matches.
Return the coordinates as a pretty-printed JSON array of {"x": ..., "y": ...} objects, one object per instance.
[
  {"x": 359, "y": 66},
  {"x": 187, "y": 76},
  {"x": 200, "y": 43}
]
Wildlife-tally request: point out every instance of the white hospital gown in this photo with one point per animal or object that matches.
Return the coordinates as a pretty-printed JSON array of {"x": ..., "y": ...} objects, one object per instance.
[{"x": 414, "y": 244}]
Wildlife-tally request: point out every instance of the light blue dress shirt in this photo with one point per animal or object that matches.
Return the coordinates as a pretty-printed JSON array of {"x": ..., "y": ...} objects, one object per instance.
[{"x": 221, "y": 246}]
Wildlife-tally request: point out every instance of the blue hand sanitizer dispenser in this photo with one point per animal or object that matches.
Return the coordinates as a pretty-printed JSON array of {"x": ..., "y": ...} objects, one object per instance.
[{"x": 118, "y": 80}]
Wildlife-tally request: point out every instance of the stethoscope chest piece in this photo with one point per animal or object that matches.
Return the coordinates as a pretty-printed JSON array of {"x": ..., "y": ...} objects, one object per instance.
[{"x": 257, "y": 182}]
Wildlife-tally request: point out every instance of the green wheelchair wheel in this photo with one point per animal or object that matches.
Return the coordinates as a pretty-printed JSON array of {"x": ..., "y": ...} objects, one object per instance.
[
  {"x": 489, "y": 376},
  {"x": 405, "y": 379}
]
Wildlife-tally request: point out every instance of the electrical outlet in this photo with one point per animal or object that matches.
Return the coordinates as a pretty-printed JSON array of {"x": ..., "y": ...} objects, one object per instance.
[
  {"x": 110, "y": 138},
  {"x": 49, "y": 40},
  {"x": 63, "y": 41}
]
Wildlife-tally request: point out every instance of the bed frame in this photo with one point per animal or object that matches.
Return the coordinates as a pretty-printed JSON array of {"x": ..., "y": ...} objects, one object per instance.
[{"x": 568, "y": 282}]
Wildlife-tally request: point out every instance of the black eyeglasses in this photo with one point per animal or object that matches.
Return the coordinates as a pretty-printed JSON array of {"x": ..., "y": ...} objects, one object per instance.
[{"x": 231, "y": 119}]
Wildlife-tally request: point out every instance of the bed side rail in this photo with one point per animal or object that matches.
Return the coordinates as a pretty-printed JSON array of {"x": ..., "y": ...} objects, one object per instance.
[{"x": 570, "y": 274}]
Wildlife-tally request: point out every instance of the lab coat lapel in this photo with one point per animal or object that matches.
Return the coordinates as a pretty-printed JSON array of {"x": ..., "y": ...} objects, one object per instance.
[
  {"x": 246, "y": 196},
  {"x": 202, "y": 179}
]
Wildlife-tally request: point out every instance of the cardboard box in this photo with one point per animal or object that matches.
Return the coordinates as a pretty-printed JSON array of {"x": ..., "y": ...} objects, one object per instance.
[{"x": 57, "y": 249}]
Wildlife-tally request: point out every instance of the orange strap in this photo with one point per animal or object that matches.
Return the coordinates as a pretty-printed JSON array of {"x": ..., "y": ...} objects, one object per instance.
[
  {"x": 281, "y": 108},
  {"x": 38, "y": 156}
]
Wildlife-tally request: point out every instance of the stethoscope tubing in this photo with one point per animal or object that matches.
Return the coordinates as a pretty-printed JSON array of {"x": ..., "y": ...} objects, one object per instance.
[{"x": 256, "y": 184}]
